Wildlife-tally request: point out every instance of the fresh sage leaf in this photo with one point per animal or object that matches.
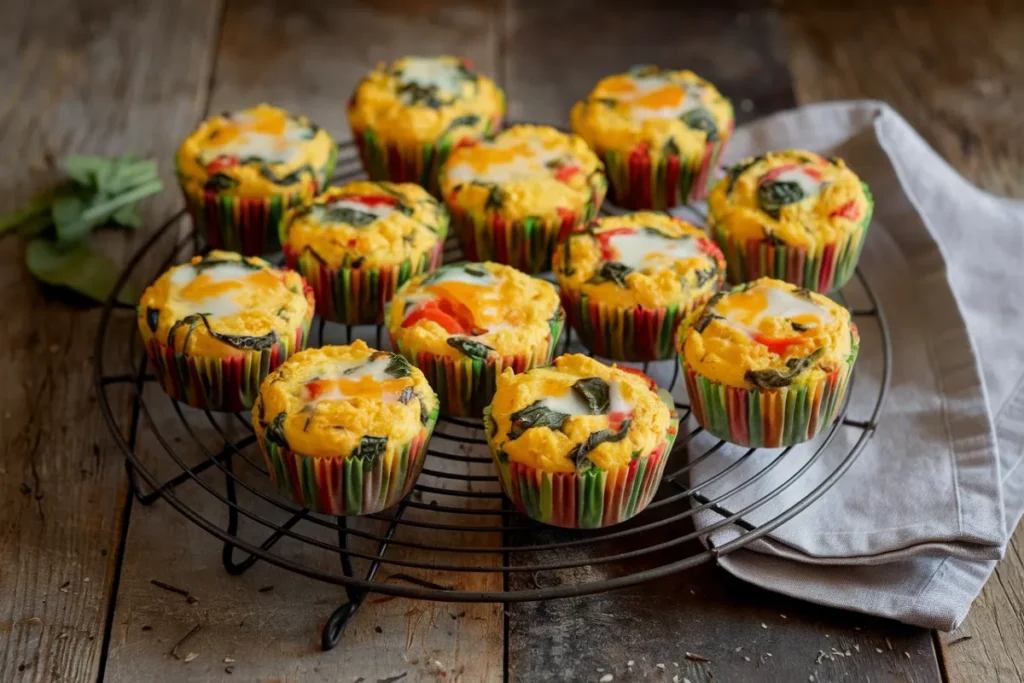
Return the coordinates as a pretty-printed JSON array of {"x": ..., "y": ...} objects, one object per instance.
[
  {"x": 471, "y": 347},
  {"x": 580, "y": 453},
  {"x": 37, "y": 208},
  {"x": 80, "y": 270},
  {"x": 595, "y": 392}
]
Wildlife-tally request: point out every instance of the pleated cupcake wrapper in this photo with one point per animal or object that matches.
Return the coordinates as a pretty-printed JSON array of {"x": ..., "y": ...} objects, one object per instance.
[
  {"x": 348, "y": 486},
  {"x": 593, "y": 499},
  {"x": 357, "y": 296},
  {"x": 525, "y": 244},
  {"x": 228, "y": 384},
  {"x": 639, "y": 181},
  {"x": 626, "y": 334},
  {"x": 248, "y": 225},
  {"x": 766, "y": 418},
  {"x": 387, "y": 160},
  {"x": 465, "y": 386}
]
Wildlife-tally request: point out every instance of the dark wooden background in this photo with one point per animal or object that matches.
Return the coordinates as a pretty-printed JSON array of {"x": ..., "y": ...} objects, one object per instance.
[{"x": 77, "y": 558}]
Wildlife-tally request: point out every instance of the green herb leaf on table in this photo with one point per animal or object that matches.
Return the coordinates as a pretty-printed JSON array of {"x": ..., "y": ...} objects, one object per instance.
[{"x": 80, "y": 269}]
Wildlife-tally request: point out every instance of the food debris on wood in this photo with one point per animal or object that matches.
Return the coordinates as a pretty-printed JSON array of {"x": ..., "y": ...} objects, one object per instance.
[
  {"x": 264, "y": 589},
  {"x": 189, "y": 598},
  {"x": 378, "y": 629},
  {"x": 695, "y": 657},
  {"x": 888, "y": 643},
  {"x": 147, "y": 627},
  {"x": 190, "y": 656},
  {"x": 764, "y": 625},
  {"x": 660, "y": 666},
  {"x": 229, "y": 669},
  {"x": 64, "y": 586},
  {"x": 185, "y": 639},
  {"x": 784, "y": 616},
  {"x": 745, "y": 658},
  {"x": 607, "y": 678},
  {"x": 228, "y": 660}
]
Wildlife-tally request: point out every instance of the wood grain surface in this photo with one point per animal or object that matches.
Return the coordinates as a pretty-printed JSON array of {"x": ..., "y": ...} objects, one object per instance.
[
  {"x": 102, "y": 78},
  {"x": 110, "y": 77}
]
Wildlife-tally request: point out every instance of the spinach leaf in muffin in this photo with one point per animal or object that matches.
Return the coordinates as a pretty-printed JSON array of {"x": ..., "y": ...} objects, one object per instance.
[
  {"x": 369, "y": 449},
  {"x": 535, "y": 415},
  {"x": 580, "y": 453},
  {"x": 775, "y": 194},
  {"x": 153, "y": 318},
  {"x": 612, "y": 271},
  {"x": 700, "y": 118},
  {"x": 736, "y": 171},
  {"x": 595, "y": 392},
  {"x": 776, "y": 379},
  {"x": 471, "y": 347},
  {"x": 274, "y": 432}
]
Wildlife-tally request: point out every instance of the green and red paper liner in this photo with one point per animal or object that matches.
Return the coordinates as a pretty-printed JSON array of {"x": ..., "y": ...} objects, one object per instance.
[
  {"x": 409, "y": 163},
  {"x": 525, "y": 244},
  {"x": 229, "y": 383},
  {"x": 464, "y": 385},
  {"x": 643, "y": 178},
  {"x": 767, "y": 418},
  {"x": 592, "y": 499},
  {"x": 633, "y": 334},
  {"x": 821, "y": 270},
  {"x": 248, "y": 225},
  {"x": 348, "y": 486},
  {"x": 357, "y": 296}
]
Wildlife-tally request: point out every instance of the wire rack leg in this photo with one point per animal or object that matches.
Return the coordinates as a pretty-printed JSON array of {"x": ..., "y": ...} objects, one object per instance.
[{"x": 336, "y": 623}]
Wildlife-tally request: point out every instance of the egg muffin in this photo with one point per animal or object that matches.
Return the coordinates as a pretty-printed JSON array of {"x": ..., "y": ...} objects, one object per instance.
[
  {"x": 407, "y": 116},
  {"x": 240, "y": 172},
  {"x": 344, "y": 429},
  {"x": 358, "y": 243},
  {"x": 767, "y": 363},
  {"x": 628, "y": 281},
  {"x": 580, "y": 444},
  {"x": 215, "y": 327},
  {"x": 512, "y": 198},
  {"x": 466, "y": 322},
  {"x": 659, "y": 132},
  {"x": 792, "y": 215}
]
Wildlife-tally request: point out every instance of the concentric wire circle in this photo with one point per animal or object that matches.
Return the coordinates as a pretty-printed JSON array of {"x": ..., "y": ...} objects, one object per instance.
[{"x": 455, "y": 538}]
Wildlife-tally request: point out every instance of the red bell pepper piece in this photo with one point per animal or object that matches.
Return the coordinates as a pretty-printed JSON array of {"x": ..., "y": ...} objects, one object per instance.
[
  {"x": 222, "y": 162},
  {"x": 604, "y": 241},
  {"x": 848, "y": 210},
  {"x": 372, "y": 199},
  {"x": 616, "y": 418},
  {"x": 566, "y": 171},
  {"x": 776, "y": 345},
  {"x": 429, "y": 310}
]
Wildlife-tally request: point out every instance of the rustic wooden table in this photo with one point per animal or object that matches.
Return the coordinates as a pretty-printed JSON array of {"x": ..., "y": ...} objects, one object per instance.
[{"x": 77, "y": 556}]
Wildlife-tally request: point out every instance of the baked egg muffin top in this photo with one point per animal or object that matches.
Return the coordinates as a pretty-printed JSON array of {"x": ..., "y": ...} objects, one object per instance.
[
  {"x": 643, "y": 259},
  {"x": 221, "y": 304},
  {"x": 344, "y": 401},
  {"x": 419, "y": 100},
  {"x": 671, "y": 112},
  {"x": 793, "y": 197},
  {"x": 768, "y": 334},
  {"x": 368, "y": 224},
  {"x": 254, "y": 153},
  {"x": 475, "y": 310},
  {"x": 524, "y": 171},
  {"x": 576, "y": 414}
]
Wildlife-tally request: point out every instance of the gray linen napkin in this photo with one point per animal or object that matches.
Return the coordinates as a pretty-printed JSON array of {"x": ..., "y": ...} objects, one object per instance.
[{"x": 913, "y": 529}]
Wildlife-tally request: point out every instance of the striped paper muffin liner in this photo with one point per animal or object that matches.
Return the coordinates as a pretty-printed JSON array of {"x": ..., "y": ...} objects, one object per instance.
[
  {"x": 409, "y": 163},
  {"x": 525, "y": 244},
  {"x": 348, "y": 486},
  {"x": 465, "y": 386},
  {"x": 227, "y": 384},
  {"x": 357, "y": 296},
  {"x": 822, "y": 272},
  {"x": 627, "y": 334},
  {"x": 641, "y": 180},
  {"x": 592, "y": 499},
  {"x": 767, "y": 418},
  {"x": 248, "y": 225}
]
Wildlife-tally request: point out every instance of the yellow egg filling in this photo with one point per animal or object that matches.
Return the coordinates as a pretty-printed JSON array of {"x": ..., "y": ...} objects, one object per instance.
[
  {"x": 769, "y": 334},
  {"x": 550, "y": 418},
  {"x": 257, "y": 152},
  {"x": 368, "y": 224},
  {"x": 795, "y": 197},
  {"x": 223, "y": 305},
  {"x": 344, "y": 401},
  {"x": 645, "y": 259}
]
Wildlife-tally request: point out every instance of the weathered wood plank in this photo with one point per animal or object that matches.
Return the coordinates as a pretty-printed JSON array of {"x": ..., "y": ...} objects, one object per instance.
[
  {"x": 105, "y": 78},
  {"x": 307, "y": 57},
  {"x": 702, "y": 611},
  {"x": 953, "y": 70}
]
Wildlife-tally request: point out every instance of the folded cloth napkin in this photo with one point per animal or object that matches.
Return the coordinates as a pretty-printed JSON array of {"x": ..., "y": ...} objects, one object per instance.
[{"x": 914, "y": 527}]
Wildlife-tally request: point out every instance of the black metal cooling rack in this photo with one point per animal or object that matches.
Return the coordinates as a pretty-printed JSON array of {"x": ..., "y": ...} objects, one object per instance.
[{"x": 455, "y": 538}]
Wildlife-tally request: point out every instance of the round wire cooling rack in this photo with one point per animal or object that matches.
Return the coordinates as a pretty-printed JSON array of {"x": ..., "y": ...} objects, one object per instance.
[{"x": 455, "y": 538}]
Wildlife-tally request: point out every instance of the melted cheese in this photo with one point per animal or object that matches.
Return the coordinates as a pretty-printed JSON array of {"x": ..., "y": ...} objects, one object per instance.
[
  {"x": 748, "y": 309},
  {"x": 644, "y": 249}
]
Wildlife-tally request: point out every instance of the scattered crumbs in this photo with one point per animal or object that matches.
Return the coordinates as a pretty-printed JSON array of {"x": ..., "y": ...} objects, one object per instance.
[
  {"x": 675, "y": 679},
  {"x": 147, "y": 627},
  {"x": 229, "y": 669},
  {"x": 856, "y": 647},
  {"x": 784, "y": 616},
  {"x": 764, "y": 625},
  {"x": 607, "y": 678},
  {"x": 190, "y": 656},
  {"x": 64, "y": 586},
  {"x": 821, "y": 656},
  {"x": 767, "y": 654},
  {"x": 599, "y": 669},
  {"x": 378, "y": 629},
  {"x": 906, "y": 654},
  {"x": 811, "y": 678},
  {"x": 738, "y": 648},
  {"x": 856, "y": 628},
  {"x": 878, "y": 650},
  {"x": 693, "y": 592},
  {"x": 85, "y": 580},
  {"x": 63, "y": 635},
  {"x": 228, "y": 660},
  {"x": 629, "y": 663},
  {"x": 660, "y": 666},
  {"x": 888, "y": 643},
  {"x": 264, "y": 589},
  {"x": 686, "y": 680},
  {"x": 827, "y": 635},
  {"x": 693, "y": 657},
  {"x": 745, "y": 658},
  {"x": 847, "y": 653},
  {"x": 675, "y": 663}
]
